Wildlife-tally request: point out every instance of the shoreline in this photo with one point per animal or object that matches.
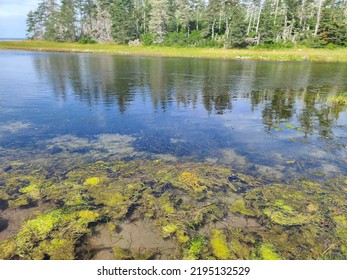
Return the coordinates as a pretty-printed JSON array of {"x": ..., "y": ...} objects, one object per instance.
[{"x": 295, "y": 54}]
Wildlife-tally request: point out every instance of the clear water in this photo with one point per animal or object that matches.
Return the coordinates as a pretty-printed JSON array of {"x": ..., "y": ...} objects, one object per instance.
[{"x": 270, "y": 119}]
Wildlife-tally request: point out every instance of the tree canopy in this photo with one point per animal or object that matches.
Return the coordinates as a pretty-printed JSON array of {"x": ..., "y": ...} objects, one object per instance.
[{"x": 212, "y": 23}]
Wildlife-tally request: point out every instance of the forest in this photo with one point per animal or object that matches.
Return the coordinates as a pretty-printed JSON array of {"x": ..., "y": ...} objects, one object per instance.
[{"x": 200, "y": 23}]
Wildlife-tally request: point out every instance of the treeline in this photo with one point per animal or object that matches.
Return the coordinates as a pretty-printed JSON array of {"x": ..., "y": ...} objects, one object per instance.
[{"x": 213, "y": 23}]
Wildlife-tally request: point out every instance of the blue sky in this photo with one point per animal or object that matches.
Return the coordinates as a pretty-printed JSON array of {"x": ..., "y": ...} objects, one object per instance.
[{"x": 13, "y": 16}]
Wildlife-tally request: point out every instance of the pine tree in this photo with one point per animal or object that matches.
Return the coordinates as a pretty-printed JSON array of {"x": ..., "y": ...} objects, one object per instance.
[
  {"x": 67, "y": 19},
  {"x": 123, "y": 21},
  {"x": 159, "y": 19}
]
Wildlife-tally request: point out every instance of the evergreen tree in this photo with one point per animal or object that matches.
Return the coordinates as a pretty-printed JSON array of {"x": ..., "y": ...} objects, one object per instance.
[
  {"x": 159, "y": 19},
  {"x": 67, "y": 19},
  {"x": 123, "y": 21},
  {"x": 227, "y": 23}
]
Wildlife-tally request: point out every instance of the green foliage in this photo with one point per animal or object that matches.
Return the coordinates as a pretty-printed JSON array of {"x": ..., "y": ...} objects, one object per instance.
[
  {"x": 227, "y": 24},
  {"x": 147, "y": 39},
  {"x": 123, "y": 21},
  {"x": 86, "y": 40}
]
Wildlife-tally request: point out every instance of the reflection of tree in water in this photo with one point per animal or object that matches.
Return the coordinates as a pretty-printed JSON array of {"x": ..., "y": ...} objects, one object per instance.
[
  {"x": 310, "y": 106},
  {"x": 216, "y": 89},
  {"x": 318, "y": 112},
  {"x": 116, "y": 80},
  {"x": 90, "y": 79},
  {"x": 279, "y": 107}
]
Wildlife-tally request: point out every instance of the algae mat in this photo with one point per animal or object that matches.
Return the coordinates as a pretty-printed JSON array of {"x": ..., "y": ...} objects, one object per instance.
[{"x": 161, "y": 210}]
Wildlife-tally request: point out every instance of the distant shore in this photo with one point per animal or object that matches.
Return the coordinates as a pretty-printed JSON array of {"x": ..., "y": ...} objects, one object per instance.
[{"x": 295, "y": 54}]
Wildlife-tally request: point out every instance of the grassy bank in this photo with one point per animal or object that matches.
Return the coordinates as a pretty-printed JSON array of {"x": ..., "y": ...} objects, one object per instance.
[{"x": 295, "y": 54}]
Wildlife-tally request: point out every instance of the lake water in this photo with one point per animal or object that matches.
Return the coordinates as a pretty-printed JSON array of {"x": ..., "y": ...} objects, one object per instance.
[
  {"x": 62, "y": 115},
  {"x": 254, "y": 116}
]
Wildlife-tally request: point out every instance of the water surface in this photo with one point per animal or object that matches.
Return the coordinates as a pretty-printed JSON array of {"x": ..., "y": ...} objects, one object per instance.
[
  {"x": 270, "y": 119},
  {"x": 119, "y": 157}
]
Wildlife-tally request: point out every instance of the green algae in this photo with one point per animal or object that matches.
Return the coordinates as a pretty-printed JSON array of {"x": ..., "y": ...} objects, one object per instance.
[
  {"x": 19, "y": 202},
  {"x": 182, "y": 237},
  {"x": 302, "y": 219},
  {"x": 32, "y": 191},
  {"x": 92, "y": 181},
  {"x": 241, "y": 244},
  {"x": 219, "y": 246},
  {"x": 267, "y": 252},
  {"x": 240, "y": 207},
  {"x": 51, "y": 234},
  {"x": 169, "y": 229},
  {"x": 195, "y": 248},
  {"x": 285, "y": 215},
  {"x": 285, "y": 218}
]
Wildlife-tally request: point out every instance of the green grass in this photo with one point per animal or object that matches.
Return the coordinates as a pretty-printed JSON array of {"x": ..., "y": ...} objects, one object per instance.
[{"x": 295, "y": 54}]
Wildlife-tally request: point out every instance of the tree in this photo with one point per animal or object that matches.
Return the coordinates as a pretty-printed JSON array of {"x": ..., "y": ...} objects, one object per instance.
[
  {"x": 123, "y": 21},
  {"x": 159, "y": 19},
  {"x": 67, "y": 19}
]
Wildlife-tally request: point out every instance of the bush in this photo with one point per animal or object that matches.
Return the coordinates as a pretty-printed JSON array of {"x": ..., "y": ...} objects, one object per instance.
[
  {"x": 87, "y": 40},
  {"x": 147, "y": 39}
]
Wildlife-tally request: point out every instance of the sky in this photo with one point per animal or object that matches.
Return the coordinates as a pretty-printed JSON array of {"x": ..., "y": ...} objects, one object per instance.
[{"x": 13, "y": 15}]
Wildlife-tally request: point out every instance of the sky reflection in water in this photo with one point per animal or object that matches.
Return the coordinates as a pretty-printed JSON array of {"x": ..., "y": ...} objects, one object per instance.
[{"x": 269, "y": 118}]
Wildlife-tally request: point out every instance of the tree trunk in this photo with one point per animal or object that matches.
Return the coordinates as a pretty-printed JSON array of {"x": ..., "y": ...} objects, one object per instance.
[
  {"x": 250, "y": 22},
  {"x": 276, "y": 11},
  {"x": 212, "y": 29},
  {"x": 320, "y": 4},
  {"x": 258, "y": 22}
]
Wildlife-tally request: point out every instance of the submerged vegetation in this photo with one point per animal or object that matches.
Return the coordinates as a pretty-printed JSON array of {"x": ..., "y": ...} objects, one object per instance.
[{"x": 206, "y": 212}]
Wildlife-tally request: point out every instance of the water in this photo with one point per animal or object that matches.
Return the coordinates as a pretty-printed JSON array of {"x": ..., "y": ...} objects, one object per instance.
[
  {"x": 11, "y": 39},
  {"x": 257, "y": 117},
  {"x": 105, "y": 157}
]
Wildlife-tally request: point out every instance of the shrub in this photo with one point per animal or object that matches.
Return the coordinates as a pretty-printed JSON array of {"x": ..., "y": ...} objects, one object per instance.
[{"x": 87, "y": 40}]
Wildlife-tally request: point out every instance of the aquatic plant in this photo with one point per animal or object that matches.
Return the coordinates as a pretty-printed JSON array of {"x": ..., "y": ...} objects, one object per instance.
[
  {"x": 219, "y": 246},
  {"x": 267, "y": 252},
  {"x": 195, "y": 248},
  {"x": 240, "y": 207},
  {"x": 92, "y": 181},
  {"x": 285, "y": 215},
  {"x": 50, "y": 234},
  {"x": 182, "y": 201}
]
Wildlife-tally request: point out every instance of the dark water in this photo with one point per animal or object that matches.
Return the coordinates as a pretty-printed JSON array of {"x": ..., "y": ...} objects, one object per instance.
[{"x": 274, "y": 119}]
